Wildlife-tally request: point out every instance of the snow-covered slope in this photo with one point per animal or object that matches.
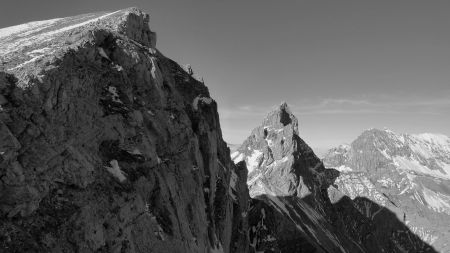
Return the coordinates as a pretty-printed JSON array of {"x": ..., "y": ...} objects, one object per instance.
[{"x": 408, "y": 174}]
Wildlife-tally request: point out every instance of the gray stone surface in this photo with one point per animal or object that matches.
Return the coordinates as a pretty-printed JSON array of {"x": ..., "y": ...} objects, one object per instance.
[{"x": 108, "y": 146}]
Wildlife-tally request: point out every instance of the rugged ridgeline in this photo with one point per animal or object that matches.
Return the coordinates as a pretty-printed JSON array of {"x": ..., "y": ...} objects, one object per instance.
[
  {"x": 296, "y": 206},
  {"x": 408, "y": 175},
  {"x": 108, "y": 146}
]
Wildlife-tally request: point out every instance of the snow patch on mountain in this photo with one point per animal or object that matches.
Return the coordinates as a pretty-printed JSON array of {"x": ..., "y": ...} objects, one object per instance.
[
  {"x": 343, "y": 168},
  {"x": 253, "y": 160},
  {"x": 24, "y": 32},
  {"x": 435, "y": 139},
  {"x": 437, "y": 201},
  {"x": 237, "y": 157},
  {"x": 409, "y": 164},
  {"x": 24, "y": 29},
  {"x": 385, "y": 154},
  {"x": 27, "y": 62}
]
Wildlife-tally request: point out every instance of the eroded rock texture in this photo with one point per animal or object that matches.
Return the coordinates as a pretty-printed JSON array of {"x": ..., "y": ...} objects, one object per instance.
[
  {"x": 297, "y": 206},
  {"x": 406, "y": 174},
  {"x": 108, "y": 146}
]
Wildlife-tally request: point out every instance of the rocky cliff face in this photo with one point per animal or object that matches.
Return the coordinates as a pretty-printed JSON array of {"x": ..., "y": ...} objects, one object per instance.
[
  {"x": 406, "y": 174},
  {"x": 108, "y": 146},
  {"x": 297, "y": 205}
]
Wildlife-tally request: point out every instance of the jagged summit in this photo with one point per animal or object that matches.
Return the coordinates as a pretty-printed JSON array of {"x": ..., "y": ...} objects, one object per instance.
[
  {"x": 377, "y": 131},
  {"x": 271, "y": 147},
  {"x": 285, "y": 174},
  {"x": 26, "y": 49},
  {"x": 280, "y": 117},
  {"x": 271, "y": 141}
]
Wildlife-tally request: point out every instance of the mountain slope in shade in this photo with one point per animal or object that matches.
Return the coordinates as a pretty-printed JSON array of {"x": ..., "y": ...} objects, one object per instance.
[
  {"x": 295, "y": 205},
  {"x": 407, "y": 174},
  {"x": 108, "y": 146}
]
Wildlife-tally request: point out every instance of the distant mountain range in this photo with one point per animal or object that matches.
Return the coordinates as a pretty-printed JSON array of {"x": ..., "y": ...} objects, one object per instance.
[
  {"x": 407, "y": 174},
  {"x": 301, "y": 206}
]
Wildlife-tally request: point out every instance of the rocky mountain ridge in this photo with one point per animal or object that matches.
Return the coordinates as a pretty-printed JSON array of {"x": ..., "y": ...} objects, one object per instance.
[
  {"x": 108, "y": 146},
  {"x": 297, "y": 205},
  {"x": 407, "y": 174}
]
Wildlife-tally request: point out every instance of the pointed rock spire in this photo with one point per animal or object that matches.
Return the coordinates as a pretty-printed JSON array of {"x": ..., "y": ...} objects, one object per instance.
[
  {"x": 281, "y": 117},
  {"x": 271, "y": 153}
]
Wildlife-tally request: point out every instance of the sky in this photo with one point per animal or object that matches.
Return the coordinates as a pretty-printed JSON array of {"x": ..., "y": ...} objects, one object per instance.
[{"x": 342, "y": 66}]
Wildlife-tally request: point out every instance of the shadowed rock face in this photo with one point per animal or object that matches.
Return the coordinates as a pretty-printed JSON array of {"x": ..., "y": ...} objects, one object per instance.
[
  {"x": 296, "y": 206},
  {"x": 407, "y": 174},
  {"x": 108, "y": 146}
]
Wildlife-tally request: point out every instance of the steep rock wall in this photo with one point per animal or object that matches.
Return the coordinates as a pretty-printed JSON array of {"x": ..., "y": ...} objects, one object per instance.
[{"x": 108, "y": 146}]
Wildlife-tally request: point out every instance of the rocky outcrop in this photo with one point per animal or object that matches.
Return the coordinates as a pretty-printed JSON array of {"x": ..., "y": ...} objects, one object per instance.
[
  {"x": 297, "y": 205},
  {"x": 108, "y": 146},
  {"x": 405, "y": 174}
]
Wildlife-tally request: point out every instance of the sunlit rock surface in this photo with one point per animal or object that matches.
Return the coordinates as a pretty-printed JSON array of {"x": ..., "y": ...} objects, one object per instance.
[
  {"x": 407, "y": 174},
  {"x": 297, "y": 204}
]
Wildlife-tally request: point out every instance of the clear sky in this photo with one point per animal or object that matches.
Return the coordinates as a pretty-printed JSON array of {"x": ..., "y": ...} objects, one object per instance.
[{"x": 343, "y": 66}]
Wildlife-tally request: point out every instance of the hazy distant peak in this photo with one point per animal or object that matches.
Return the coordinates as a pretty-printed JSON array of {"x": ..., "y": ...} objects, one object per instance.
[
  {"x": 427, "y": 151},
  {"x": 437, "y": 139},
  {"x": 415, "y": 168},
  {"x": 378, "y": 131},
  {"x": 388, "y": 135}
]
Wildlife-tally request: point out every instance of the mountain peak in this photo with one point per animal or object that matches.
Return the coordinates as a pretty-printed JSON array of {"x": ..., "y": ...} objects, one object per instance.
[
  {"x": 414, "y": 168},
  {"x": 284, "y": 105},
  {"x": 376, "y": 130},
  {"x": 377, "y": 134},
  {"x": 29, "y": 47},
  {"x": 272, "y": 150},
  {"x": 437, "y": 139},
  {"x": 280, "y": 117}
]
